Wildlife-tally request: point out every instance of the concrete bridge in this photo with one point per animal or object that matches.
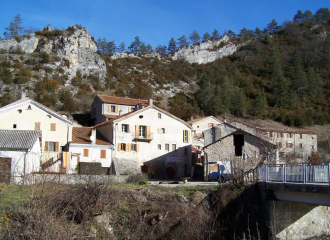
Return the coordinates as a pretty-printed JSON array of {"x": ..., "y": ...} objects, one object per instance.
[{"x": 296, "y": 199}]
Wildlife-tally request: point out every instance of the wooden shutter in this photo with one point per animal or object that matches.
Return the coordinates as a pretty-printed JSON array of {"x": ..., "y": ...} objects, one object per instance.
[
  {"x": 148, "y": 132},
  {"x": 116, "y": 109},
  {"x": 137, "y": 147},
  {"x": 53, "y": 127},
  {"x": 188, "y": 133},
  {"x": 103, "y": 153},
  {"x": 109, "y": 108},
  {"x": 128, "y": 147},
  {"x": 119, "y": 147},
  {"x": 137, "y": 131},
  {"x": 85, "y": 152},
  {"x": 46, "y": 146},
  {"x": 56, "y": 147},
  {"x": 129, "y": 109},
  {"x": 183, "y": 134},
  {"x": 37, "y": 126}
]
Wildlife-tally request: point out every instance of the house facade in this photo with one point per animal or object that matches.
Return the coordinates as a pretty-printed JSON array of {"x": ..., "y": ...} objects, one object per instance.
[
  {"x": 89, "y": 146},
  {"x": 199, "y": 125},
  {"x": 27, "y": 114},
  {"x": 19, "y": 154},
  {"x": 150, "y": 140},
  {"x": 105, "y": 108},
  {"x": 242, "y": 150}
]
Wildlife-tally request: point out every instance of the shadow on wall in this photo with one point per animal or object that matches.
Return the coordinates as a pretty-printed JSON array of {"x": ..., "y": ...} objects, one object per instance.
[{"x": 172, "y": 165}]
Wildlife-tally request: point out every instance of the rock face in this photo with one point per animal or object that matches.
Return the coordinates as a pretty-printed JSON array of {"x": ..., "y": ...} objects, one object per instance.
[
  {"x": 75, "y": 51},
  {"x": 206, "y": 52}
]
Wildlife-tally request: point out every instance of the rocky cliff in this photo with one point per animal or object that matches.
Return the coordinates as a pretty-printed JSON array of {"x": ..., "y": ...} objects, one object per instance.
[
  {"x": 207, "y": 51},
  {"x": 75, "y": 50}
]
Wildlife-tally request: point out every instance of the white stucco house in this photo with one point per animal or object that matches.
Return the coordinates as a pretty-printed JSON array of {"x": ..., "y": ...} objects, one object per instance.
[
  {"x": 105, "y": 108},
  {"x": 90, "y": 146},
  {"x": 199, "y": 125},
  {"x": 19, "y": 154},
  {"x": 27, "y": 114},
  {"x": 150, "y": 140}
]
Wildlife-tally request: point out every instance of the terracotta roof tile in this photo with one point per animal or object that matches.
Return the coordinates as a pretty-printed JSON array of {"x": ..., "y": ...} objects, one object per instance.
[{"x": 82, "y": 135}]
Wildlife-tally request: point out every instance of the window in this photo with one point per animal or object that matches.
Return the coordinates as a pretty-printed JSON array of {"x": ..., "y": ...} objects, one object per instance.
[
  {"x": 300, "y": 145},
  {"x": 282, "y": 135},
  {"x": 134, "y": 147},
  {"x": 51, "y": 146},
  {"x": 86, "y": 152},
  {"x": 161, "y": 130},
  {"x": 271, "y": 134},
  {"x": 103, "y": 154},
  {"x": 14, "y": 125},
  {"x": 167, "y": 147},
  {"x": 173, "y": 147},
  {"x": 159, "y": 147},
  {"x": 312, "y": 147},
  {"x": 239, "y": 143},
  {"x": 37, "y": 126},
  {"x": 279, "y": 144},
  {"x": 289, "y": 145},
  {"x": 186, "y": 136},
  {"x": 142, "y": 131},
  {"x": 124, "y": 128},
  {"x": 159, "y": 115},
  {"x": 289, "y": 135},
  {"x": 53, "y": 127},
  {"x": 300, "y": 135},
  {"x": 132, "y": 109},
  {"x": 113, "y": 108}
]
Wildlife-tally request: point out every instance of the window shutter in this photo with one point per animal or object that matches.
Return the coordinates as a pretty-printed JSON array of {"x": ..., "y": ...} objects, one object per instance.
[
  {"x": 183, "y": 134},
  {"x": 103, "y": 154},
  {"x": 116, "y": 109},
  {"x": 85, "y": 152},
  {"x": 136, "y": 131},
  {"x": 158, "y": 130},
  {"x": 53, "y": 127},
  {"x": 137, "y": 147},
  {"x": 130, "y": 128},
  {"x": 129, "y": 109},
  {"x": 148, "y": 132},
  {"x": 188, "y": 133},
  {"x": 119, "y": 147},
  {"x": 128, "y": 147},
  {"x": 46, "y": 146},
  {"x": 56, "y": 147},
  {"x": 37, "y": 126},
  {"x": 109, "y": 108}
]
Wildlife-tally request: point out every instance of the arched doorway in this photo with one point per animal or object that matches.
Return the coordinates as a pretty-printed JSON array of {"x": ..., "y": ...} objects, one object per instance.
[{"x": 169, "y": 172}]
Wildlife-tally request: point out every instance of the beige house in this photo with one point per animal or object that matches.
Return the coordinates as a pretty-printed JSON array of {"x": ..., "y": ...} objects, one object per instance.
[
  {"x": 105, "y": 108},
  {"x": 89, "y": 146},
  {"x": 199, "y": 125},
  {"x": 150, "y": 140},
  {"x": 27, "y": 114}
]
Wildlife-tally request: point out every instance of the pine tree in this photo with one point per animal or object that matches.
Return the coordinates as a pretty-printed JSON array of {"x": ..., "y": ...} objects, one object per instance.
[
  {"x": 183, "y": 41},
  {"x": 171, "y": 46},
  {"x": 215, "y": 35},
  {"x": 298, "y": 77},
  {"x": 206, "y": 36},
  {"x": 15, "y": 28},
  {"x": 260, "y": 105},
  {"x": 195, "y": 37}
]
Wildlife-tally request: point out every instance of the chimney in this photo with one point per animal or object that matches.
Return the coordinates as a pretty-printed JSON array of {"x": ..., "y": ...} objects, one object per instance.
[
  {"x": 150, "y": 102},
  {"x": 23, "y": 95},
  {"x": 93, "y": 136}
]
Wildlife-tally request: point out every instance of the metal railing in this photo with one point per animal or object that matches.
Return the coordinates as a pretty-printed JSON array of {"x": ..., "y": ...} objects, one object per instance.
[{"x": 301, "y": 173}]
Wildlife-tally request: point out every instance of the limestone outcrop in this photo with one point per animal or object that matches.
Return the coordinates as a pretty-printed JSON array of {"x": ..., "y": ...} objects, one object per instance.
[{"x": 74, "y": 51}]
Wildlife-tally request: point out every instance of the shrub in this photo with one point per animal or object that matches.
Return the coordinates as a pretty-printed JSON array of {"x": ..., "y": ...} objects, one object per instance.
[{"x": 138, "y": 178}]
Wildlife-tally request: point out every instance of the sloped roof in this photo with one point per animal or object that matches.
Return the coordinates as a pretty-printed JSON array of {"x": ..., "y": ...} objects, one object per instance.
[
  {"x": 24, "y": 102},
  {"x": 127, "y": 115},
  {"x": 121, "y": 100},
  {"x": 82, "y": 135},
  {"x": 240, "y": 130},
  {"x": 18, "y": 139},
  {"x": 200, "y": 119}
]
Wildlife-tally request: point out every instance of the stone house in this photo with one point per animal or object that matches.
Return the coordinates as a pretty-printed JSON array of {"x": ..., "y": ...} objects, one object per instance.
[
  {"x": 199, "y": 125},
  {"x": 150, "y": 140},
  {"x": 19, "y": 154},
  {"x": 88, "y": 145},
  {"x": 27, "y": 114},
  {"x": 242, "y": 149},
  {"x": 105, "y": 108}
]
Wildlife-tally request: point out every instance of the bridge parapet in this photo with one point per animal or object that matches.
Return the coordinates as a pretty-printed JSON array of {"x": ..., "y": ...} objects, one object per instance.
[{"x": 295, "y": 173}]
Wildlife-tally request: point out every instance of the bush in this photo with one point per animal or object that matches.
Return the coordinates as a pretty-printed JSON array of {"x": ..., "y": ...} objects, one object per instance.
[{"x": 138, "y": 178}]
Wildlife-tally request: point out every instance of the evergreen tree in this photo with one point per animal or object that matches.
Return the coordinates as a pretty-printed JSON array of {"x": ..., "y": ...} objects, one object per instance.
[
  {"x": 322, "y": 15},
  {"x": 271, "y": 27},
  {"x": 231, "y": 34},
  {"x": 206, "y": 36},
  {"x": 298, "y": 77},
  {"x": 260, "y": 105},
  {"x": 111, "y": 47},
  {"x": 195, "y": 37},
  {"x": 215, "y": 35},
  {"x": 161, "y": 49},
  {"x": 299, "y": 17},
  {"x": 205, "y": 93},
  {"x": 135, "y": 46},
  {"x": 215, "y": 103},
  {"x": 121, "y": 47},
  {"x": 313, "y": 83},
  {"x": 227, "y": 89},
  {"x": 259, "y": 33},
  {"x": 15, "y": 28},
  {"x": 183, "y": 41},
  {"x": 172, "y": 46}
]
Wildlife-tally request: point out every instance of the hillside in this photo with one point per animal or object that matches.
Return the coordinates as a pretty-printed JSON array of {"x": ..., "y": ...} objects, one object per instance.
[{"x": 281, "y": 73}]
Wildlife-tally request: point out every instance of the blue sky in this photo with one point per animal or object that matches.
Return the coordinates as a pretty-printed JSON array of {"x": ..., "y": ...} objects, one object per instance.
[{"x": 154, "y": 21}]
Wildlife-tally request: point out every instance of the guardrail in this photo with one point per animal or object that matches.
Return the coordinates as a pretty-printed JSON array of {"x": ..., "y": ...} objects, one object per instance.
[{"x": 301, "y": 173}]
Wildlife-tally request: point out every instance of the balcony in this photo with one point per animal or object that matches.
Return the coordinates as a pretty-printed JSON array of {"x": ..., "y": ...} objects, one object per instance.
[{"x": 146, "y": 138}]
